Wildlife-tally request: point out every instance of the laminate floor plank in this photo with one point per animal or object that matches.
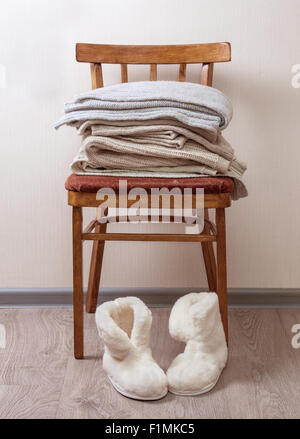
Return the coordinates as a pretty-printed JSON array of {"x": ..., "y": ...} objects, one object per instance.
[{"x": 39, "y": 378}]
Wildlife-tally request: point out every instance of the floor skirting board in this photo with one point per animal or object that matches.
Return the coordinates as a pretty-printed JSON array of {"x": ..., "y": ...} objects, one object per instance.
[{"x": 62, "y": 297}]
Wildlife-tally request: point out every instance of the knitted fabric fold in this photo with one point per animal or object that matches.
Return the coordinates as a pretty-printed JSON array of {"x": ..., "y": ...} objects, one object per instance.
[
  {"x": 193, "y": 104},
  {"x": 159, "y": 127}
]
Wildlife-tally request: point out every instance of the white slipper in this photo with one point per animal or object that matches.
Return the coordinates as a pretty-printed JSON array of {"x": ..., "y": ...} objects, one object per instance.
[
  {"x": 195, "y": 319},
  {"x": 125, "y": 324}
]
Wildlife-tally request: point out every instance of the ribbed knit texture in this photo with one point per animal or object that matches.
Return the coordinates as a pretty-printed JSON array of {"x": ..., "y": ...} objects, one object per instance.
[{"x": 160, "y": 127}]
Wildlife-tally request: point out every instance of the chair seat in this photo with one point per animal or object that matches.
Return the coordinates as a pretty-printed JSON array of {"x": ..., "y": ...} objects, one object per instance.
[{"x": 92, "y": 183}]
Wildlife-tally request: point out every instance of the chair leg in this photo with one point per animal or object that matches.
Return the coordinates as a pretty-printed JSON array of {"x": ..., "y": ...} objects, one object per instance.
[
  {"x": 95, "y": 271},
  {"x": 77, "y": 283},
  {"x": 221, "y": 268},
  {"x": 209, "y": 258}
]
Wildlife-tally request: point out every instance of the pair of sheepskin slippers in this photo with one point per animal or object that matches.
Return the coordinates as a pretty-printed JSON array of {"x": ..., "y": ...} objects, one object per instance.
[{"x": 125, "y": 324}]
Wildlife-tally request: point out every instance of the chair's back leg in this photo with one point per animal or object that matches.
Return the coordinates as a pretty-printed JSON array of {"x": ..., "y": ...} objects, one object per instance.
[
  {"x": 77, "y": 283},
  {"x": 95, "y": 271},
  {"x": 209, "y": 258},
  {"x": 221, "y": 267}
]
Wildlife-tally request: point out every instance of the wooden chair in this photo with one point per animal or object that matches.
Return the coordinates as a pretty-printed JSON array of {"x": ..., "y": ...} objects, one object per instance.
[{"x": 82, "y": 189}]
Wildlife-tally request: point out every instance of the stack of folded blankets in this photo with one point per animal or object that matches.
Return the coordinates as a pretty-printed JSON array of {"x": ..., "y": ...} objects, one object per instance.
[{"x": 154, "y": 129}]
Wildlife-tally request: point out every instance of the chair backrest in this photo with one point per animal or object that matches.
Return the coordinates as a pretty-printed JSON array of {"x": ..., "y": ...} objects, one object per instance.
[{"x": 205, "y": 54}]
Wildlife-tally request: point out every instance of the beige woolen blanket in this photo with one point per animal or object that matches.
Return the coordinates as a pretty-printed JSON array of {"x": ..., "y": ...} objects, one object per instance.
[
  {"x": 164, "y": 132},
  {"x": 161, "y": 148}
]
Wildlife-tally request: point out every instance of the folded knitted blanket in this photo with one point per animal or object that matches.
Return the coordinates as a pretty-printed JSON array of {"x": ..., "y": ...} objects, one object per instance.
[
  {"x": 193, "y": 104},
  {"x": 97, "y": 147},
  {"x": 168, "y": 133}
]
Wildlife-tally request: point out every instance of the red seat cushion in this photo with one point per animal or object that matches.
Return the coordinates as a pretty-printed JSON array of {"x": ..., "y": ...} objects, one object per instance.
[{"x": 92, "y": 183}]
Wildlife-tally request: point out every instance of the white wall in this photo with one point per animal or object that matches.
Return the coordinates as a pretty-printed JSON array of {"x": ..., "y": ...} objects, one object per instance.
[{"x": 37, "y": 41}]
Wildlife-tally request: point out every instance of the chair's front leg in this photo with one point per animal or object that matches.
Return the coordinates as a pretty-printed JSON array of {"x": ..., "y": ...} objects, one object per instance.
[
  {"x": 221, "y": 267},
  {"x": 209, "y": 258},
  {"x": 95, "y": 271},
  {"x": 77, "y": 283}
]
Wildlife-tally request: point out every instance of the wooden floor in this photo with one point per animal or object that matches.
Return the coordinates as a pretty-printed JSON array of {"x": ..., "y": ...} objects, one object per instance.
[{"x": 39, "y": 377}]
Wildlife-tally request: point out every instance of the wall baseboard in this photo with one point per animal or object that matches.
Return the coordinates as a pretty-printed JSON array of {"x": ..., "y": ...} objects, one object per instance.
[{"x": 62, "y": 297}]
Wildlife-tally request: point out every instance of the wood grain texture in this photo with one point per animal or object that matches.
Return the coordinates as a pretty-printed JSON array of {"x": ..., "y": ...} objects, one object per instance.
[
  {"x": 159, "y": 237},
  {"x": 209, "y": 256},
  {"x": 95, "y": 270},
  {"x": 207, "y": 72},
  {"x": 33, "y": 364},
  {"x": 164, "y": 54},
  {"x": 37, "y": 345},
  {"x": 266, "y": 364},
  {"x": 124, "y": 73},
  {"x": 96, "y": 75},
  {"x": 153, "y": 72},
  {"x": 77, "y": 282},
  {"x": 41, "y": 379},
  {"x": 222, "y": 268},
  {"x": 182, "y": 72}
]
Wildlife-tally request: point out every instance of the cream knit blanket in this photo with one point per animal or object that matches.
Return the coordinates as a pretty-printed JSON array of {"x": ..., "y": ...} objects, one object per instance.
[
  {"x": 158, "y": 148},
  {"x": 163, "y": 132}
]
